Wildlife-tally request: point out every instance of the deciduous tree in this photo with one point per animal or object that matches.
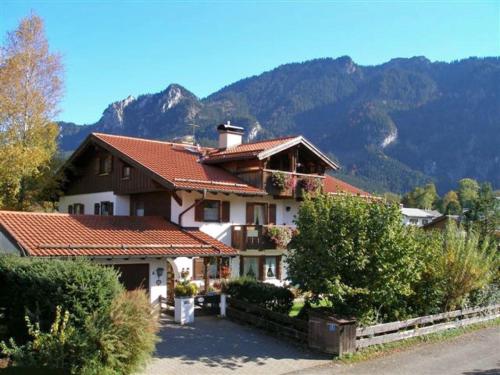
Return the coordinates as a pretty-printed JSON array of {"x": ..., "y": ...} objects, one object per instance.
[{"x": 30, "y": 90}]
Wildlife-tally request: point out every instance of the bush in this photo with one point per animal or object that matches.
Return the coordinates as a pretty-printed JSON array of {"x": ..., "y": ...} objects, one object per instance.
[
  {"x": 269, "y": 296},
  {"x": 35, "y": 287},
  {"x": 185, "y": 289},
  {"x": 115, "y": 343}
]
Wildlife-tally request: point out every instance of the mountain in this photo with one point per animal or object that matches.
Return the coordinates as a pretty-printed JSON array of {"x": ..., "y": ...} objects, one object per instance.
[{"x": 391, "y": 126}]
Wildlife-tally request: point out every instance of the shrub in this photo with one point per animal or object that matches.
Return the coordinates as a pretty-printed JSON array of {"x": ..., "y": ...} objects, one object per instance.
[
  {"x": 269, "y": 296},
  {"x": 117, "y": 342},
  {"x": 37, "y": 286},
  {"x": 185, "y": 289}
]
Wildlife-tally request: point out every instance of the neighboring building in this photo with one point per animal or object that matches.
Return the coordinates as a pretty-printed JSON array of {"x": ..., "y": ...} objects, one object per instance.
[
  {"x": 442, "y": 221},
  {"x": 225, "y": 198},
  {"x": 417, "y": 216}
]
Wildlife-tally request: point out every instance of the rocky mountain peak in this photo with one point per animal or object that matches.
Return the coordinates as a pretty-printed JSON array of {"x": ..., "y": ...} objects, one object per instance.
[{"x": 112, "y": 117}]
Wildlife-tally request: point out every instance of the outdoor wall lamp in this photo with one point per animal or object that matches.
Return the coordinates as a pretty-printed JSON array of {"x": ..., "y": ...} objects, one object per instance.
[{"x": 159, "y": 272}]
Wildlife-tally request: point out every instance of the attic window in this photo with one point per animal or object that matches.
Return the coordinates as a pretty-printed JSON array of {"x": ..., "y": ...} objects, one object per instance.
[
  {"x": 125, "y": 172},
  {"x": 105, "y": 165}
]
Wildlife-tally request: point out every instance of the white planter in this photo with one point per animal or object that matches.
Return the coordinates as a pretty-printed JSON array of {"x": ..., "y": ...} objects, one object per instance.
[
  {"x": 184, "y": 310},
  {"x": 223, "y": 305}
]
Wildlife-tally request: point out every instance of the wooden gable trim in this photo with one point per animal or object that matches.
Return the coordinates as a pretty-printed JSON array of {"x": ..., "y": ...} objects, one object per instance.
[{"x": 293, "y": 142}]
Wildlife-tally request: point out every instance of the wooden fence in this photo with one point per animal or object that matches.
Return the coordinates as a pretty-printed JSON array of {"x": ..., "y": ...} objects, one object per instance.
[
  {"x": 276, "y": 323},
  {"x": 394, "y": 331}
]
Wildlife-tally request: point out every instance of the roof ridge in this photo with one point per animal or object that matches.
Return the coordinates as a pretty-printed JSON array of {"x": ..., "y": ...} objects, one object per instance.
[
  {"x": 265, "y": 140},
  {"x": 147, "y": 140}
]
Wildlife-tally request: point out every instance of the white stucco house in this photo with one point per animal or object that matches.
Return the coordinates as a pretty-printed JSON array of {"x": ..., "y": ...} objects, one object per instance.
[
  {"x": 158, "y": 210},
  {"x": 417, "y": 216}
]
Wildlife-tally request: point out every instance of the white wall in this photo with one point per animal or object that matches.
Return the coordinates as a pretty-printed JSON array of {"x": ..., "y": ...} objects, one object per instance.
[{"x": 121, "y": 202}]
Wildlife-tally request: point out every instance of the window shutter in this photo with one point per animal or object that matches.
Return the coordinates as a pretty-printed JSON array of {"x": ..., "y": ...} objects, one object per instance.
[
  {"x": 272, "y": 214},
  {"x": 278, "y": 267},
  {"x": 97, "y": 165},
  {"x": 70, "y": 209},
  {"x": 111, "y": 208},
  {"x": 249, "y": 213},
  {"x": 109, "y": 164},
  {"x": 262, "y": 268},
  {"x": 198, "y": 211},
  {"x": 225, "y": 211},
  {"x": 97, "y": 209},
  {"x": 198, "y": 267}
]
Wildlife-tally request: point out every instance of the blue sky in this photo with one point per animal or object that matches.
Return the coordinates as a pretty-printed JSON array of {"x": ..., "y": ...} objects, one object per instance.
[{"x": 115, "y": 48}]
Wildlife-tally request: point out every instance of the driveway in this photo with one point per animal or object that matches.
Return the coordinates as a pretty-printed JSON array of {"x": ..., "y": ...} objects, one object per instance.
[{"x": 219, "y": 346}]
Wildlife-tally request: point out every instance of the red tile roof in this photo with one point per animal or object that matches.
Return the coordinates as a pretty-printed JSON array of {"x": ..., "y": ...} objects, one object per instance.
[
  {"x": 44, "y": 234},
  {"x": 178, "y": 164},
  {"x": 246, "y": 150},
  {"x": 335, "y": 186}
]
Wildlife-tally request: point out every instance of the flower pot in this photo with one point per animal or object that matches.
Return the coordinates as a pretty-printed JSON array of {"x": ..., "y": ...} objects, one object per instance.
[{"x": 184, "y": 310}]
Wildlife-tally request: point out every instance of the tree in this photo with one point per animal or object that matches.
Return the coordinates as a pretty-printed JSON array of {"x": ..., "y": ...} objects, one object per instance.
[
  {"x": 30, "y": 90},
  {"x": 484, "y": 213},
  {"x": 468, "y": 190},
  {"x": 424, "y": 197},
  {"x": 451, "y": 203},
  {"x": 355, "y": 253}
]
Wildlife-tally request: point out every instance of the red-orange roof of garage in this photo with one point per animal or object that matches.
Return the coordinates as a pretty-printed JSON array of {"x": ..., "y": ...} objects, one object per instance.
[
  {"x": 333, "y": 185},
  {"x": 51, "y": 234}
]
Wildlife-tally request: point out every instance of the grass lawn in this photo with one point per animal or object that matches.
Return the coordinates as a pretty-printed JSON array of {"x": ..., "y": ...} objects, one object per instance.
[{"x": 299, "y": 303}]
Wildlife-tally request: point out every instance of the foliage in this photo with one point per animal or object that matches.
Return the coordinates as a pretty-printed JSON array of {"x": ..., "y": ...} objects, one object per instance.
[
  {"x": 185, "y": 288},
  {"x": 421, "y": 197},
  {"x": 468, "y": 190},
  {"x": 280, "y": 180},
  {"x": 484, "y": 213},
  {"x": 269, "y": 296},
  {"x": 281, "y": 235},
  {"x": 36, "y": 286},
  {"x": 466, "y": 264},
  {"x": 115, "y": 342},
  {"x": 30, "y": 89},
  {"x": 355, "y": 253},
  {"x": 451, "y": 204}
]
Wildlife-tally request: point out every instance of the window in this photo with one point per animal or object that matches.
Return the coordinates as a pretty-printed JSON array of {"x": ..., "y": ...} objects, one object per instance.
[
  {"x": 107, "y": 208},
  {"x": 250, "y": 266},
  {"x": 78, "y": 209},
  {"x": 270, "y": 269},
  {"x": 105, "y": 164},
  {"x": 125, "y": 172},
  {"x": 97, "y": 209},
  {"x": 425, "y": 221},
  {"x": 139, "y": 208},
  {"x": 414, "y": 221},
  {"x": 212, "y": 211}
]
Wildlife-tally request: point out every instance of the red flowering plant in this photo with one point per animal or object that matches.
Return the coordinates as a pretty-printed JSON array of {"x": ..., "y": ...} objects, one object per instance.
[{"x": 310, "y": 185}]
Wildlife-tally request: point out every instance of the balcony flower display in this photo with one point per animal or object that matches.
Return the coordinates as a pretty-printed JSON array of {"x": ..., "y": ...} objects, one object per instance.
[
  {"x": 310, "y": 185},
  {"x": 281, "y": 181},
  {"x": 280, "y": 235}
]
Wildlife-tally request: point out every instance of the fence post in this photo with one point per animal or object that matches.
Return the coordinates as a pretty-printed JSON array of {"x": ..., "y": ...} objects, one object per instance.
[
  {"x": 223, "y": 305},
  {"x": 331, "y": 334}
]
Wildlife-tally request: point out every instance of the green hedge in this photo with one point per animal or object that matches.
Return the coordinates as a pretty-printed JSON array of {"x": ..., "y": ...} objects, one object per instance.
[
  {"x": 272, "y": 297},
  {"x": 35, "y": 287}
]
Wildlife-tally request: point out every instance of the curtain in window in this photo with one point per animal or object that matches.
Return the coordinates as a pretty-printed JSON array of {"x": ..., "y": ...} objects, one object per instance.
[
  {"x": 250, "y": 267},
  {"x": 270, "y": 267}
]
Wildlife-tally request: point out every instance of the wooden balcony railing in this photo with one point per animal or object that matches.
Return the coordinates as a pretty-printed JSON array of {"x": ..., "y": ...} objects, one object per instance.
[{"x": 251, "y": 237}]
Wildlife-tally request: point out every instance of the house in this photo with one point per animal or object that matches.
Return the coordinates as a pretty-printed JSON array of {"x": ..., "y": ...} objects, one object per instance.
[
  {"x": 169, "y": 209},
  {"x": 417, "y": 216},
  {"x": 442, "y": 221}
]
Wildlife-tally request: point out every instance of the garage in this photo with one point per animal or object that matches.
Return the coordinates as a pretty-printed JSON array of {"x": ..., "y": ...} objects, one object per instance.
[{"x": 134, "y": 276}]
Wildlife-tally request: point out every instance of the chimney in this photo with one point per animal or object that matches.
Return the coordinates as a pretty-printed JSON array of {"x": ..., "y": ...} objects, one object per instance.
[{"x": 229, "y": 135}]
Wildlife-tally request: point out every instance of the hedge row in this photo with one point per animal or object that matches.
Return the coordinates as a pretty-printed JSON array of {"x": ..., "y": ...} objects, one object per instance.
[{"x": 269, "y": 296}]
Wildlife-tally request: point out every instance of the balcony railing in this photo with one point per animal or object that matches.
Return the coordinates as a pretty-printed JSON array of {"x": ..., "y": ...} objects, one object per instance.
[{"x": 251, "y": 237}]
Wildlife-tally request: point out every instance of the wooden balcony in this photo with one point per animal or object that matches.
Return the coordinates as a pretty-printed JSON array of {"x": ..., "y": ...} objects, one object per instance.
[
  {"x": 297, "y": 183},
  {"x": 251, "y": 237}
]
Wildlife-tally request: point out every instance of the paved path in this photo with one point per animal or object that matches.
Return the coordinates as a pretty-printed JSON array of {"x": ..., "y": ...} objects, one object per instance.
[
  {"x": 476, "y": 353},
  {"x": 219, "y": 346}
]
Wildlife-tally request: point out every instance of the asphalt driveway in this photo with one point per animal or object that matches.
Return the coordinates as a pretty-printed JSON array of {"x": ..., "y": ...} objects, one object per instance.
[{"x": 219, "y": 346}]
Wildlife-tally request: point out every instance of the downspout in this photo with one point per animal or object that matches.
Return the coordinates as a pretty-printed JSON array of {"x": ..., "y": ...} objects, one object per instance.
[{"x": 195, "y": 204}]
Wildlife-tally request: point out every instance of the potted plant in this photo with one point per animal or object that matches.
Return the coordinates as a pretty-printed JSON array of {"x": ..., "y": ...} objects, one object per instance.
[
  {"x": 280, "y": 235},
  {"x": 184, "y": 293},
  {"x": 310, "y": 185}
]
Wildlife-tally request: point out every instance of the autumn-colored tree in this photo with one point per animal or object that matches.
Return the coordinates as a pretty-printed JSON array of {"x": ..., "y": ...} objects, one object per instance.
[
  {"x": 468, "y": 190},
  {"x": 451, "y": 203},
  {"x": 30, "y": 90},
  {"x": 424, "y": 197}
]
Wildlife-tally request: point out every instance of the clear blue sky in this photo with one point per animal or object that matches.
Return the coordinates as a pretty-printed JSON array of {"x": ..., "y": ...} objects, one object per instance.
[{"x": 115, "y": 48}]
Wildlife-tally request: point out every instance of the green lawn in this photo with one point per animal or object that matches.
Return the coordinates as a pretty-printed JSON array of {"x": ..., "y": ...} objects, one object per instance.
[{"x": 299, "y": 303}]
